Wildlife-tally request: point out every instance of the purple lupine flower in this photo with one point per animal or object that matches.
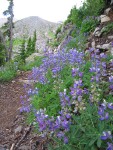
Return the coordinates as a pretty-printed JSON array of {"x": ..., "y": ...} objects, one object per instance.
[
  {"x": 104, "y": 65},
  {"x": 65, "y": 124},
  {"x": 106, "y": 135},
  {"x": 65, "y": 140},
  {"x": 80, "y": 98},
  {"x": 74, "y": 71},
  {"x": 101, "y": 111},
  {"x": 111, "y": 79},
  {"x": 79, "y": 92},
  {"x": 111, "y": 43},
  {"x": 105, "y": 116},
  {"x": 110, "y": 106},
  {"x": 60, "y": 134},
  {"x": 111, "y": 87},
  {"x": 103, "y": 55},
  {"x": 110, "y": 146},
  {"x": 80, "y": 74},
  {"x": 68, "y": 116}
]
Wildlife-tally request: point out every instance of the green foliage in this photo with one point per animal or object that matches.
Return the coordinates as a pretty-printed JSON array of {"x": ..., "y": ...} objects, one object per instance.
[
  {"x": 25, "y": 67},
  {"x": 2, "y": 54},
  {"x": 77, "y": 42},
  {"x": 94, "y": 8},
  {"x": 33, "y": 49},
  {"x": 22, "y": 51},
  {"x": 31, "y": 45},
  {"x": 76, "y": 16},
  {"x": 8, "y": 28},
  {"x": 107, "y": 29},
  {"x": 88, "y": 25},
  {"x": 89, "y": 8},
  {"x": 17, "y": 42},
  {"x": 48, "y": 96},
  {"x": 8, "y": 72},
  {"x": 58, "y": 30},
  {"x": 51, "y": 34}
]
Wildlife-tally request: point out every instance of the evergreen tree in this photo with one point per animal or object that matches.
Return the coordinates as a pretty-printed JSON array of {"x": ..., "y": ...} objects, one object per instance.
[
  {"x": 34, "y": 42},
  {"x": 23, "y": 51},
  {"x": 9, "y": 27},
  {"x": 31, "y": 44},
  {"x": 29, "y": 47},
  {"x": 33, "y": 48}
]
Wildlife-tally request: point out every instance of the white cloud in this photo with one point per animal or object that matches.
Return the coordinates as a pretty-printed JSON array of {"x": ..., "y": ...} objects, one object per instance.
[{"x": 52, "y": 10}]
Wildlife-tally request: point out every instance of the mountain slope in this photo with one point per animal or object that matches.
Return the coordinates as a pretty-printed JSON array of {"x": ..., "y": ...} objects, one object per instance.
[{"x": 27, "y": 26}]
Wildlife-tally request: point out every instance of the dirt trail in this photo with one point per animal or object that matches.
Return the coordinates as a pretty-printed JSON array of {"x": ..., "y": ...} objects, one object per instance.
[
  {"x": 10, "y": 100},
  {"x": 13, "y": 128}
]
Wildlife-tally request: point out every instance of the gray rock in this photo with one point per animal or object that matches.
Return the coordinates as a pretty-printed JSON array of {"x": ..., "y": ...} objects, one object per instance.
[
  {"x": 97, "y": 32},
  {"x": 2, "y": 147},
  {"x": 107, "y": 11},
  {"x": 32, "y": 57},
  {"x": 104, "y": 18},
  {"x": 111, "y": 2},
  {"x": 93, "y": 44},
  {"x": 104, "y": 46},
  {"x": 18, "y": 129},
  {"x": 24, "y": 147},
  {"x": 110, "y": 37},
  {"x": 112, "y": 51},
  {"x": 65, "y": 42},
  {"x": 29, "y": 82},
  {"x": 87, "y": 45}
]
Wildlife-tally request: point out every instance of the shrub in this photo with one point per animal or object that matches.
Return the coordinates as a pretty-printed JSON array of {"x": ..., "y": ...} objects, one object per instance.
[
  {"x": 88, "y": 25},
  {"x": 8, "y": 72}
]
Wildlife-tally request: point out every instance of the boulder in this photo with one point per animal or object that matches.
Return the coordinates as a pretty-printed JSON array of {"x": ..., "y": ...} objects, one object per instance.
[
  {"x": 2, "y": 147},
  {"x": 97, "y": 32},
  {"x": 111, "y": 2},
  {"x": 32, "y": 57},
  {"x": 28, "y": 82},
  {"x": 18, "y": 129},
  {"x": 111, "y": 50},
  {"x": 110, "y": 37},
  {"x": 65, "y": 42},
  {"x": 104, "y": 46},
  {"x": 104, "y": 18},
  {"x": 87, "y": 45},
  {"x": 93, "y": 44},
  {"x": 108, "y": 11},
  {"x": 24, "y": 147}
]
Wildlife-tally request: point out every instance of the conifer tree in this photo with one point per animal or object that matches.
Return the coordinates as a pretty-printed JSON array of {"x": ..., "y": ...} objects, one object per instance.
[
  {"x": 29, "y": 47},
  {"x": 9, "y": 27},
  {"x": 33, "y": 49},
  {"x": 31, "y": 44},
  {"x": 34, "y": 41},
  {"x": 23, "y": 51}
]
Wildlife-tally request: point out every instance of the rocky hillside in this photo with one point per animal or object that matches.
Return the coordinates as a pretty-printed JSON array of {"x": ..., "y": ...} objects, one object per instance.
[
  {"x": 27, "y": 26},
  {"x": 100, "y": 37}
]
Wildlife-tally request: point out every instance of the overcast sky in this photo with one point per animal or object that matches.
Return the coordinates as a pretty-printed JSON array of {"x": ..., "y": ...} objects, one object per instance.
[{"x": 51, "y": 10}]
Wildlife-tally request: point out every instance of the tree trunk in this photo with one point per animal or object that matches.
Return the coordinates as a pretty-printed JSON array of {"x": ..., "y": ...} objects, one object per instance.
[{"x": 11, "y": 37}]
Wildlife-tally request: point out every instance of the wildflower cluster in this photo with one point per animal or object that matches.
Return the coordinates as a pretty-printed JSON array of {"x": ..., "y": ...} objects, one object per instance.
[{"x": 65, "y": 85}]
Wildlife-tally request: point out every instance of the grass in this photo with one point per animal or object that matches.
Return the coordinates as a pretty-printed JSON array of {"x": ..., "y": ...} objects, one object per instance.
[
  {"x": 8, "y": 73},
  {"x": 17, "y": 42},
  {"x": 36, "y": 63}
]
